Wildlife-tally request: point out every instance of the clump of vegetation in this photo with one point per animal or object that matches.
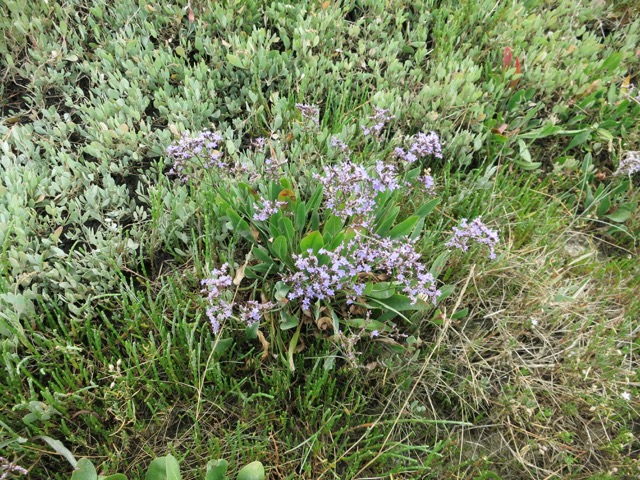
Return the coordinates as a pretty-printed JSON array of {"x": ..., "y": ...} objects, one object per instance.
[{"x": 347, "y": 239}]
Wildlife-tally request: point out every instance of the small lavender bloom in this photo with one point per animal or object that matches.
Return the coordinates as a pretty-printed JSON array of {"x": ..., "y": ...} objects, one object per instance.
[
  {"x": 272, "y": 167},
  {"x": 375, "y": 333},
  {"x": 7, "y": 467},
  {"x": 309, "y": 112},
  {"x": 203, "y": 146},
  {"x": 630, "y": 164},
  {"x": 344, "y": 148},
  {"x": 348, "y": 193},
  {"x": 421, "y": 146},
  {"x": 268, "y": 208},
  {"x": 252, "y": 311},
  {"x": 387, "y": 178},
  {"x": 217, "y": 282},
  {"x": 380, "y": 119},
  {"x": 429, "y": 183},
  {"x": 258, "y": 143},
  {"x": 477, "y": 231},
  {"x": 219, "y": 312}
]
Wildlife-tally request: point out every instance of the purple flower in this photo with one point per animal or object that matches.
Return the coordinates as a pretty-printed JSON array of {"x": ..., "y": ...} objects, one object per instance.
[
  {"x": 328, "y": 273},
  {"x": 272, "y": 167},
  {"x": 421, "y": 146},
  {"x": 379, "y": 119},
  {"x": 344, "y": 148},
  {"x": 268, "y": 208},
  {"x": 630, "y": 164},
  {"x": 348, "y": 192},
  {"x": 219, "y": 309},
  {"x": 375, "y": 333},
  {"x": 477, "y": 231},
  {"x": 428, "y": 183},
  {"x": 252, "y": 311},
  {"x": 203, "y": 147},
  {"x": 259, "y": 143},
  {"x": 219, "y": 312},
  {"x": 309, "y": 112},
  {"x": 7, "y": 467}
]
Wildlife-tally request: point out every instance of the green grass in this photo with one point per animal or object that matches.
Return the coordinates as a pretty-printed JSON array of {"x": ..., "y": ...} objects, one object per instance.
[{"x": 521, "y": 372}]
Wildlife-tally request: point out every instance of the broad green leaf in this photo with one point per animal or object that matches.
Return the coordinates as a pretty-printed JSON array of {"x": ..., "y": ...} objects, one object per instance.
[
  {"x": 235, "y": 60},
  {"x": 579, "y": 139},
  {"x": 439, "y": 264},
  {"x": 279, "y": 247},
  {"x": 288, "y": 321},
  {"x": 404, "y": 229},
  {"x": 163, "y": 468},
  {"x": 313, "y": 242},
  {"x": 222, "y": 345},
  {"x": 115, "y": 476},
  {"x": 300, "y": 219},
  {"x": 216, "y": 470},
  {"x": 389, "y": 220},
  {"x": 426, "y": 209},
  {"x": 315, "y": 200},
  {"x": 331, "y": 228},
  {"x": 84, "y": 470},
  {"x": 253, "y": 471},
  {"x": 59, "y": 448},
  {"x": 379, "y": 290},
  {"x": 621, "y": 215},
  {"x": 604, "y": 205}
]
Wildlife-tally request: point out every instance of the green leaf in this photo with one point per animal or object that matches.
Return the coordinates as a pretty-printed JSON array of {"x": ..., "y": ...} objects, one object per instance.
[
  {"x": 262, "y": 255},
  {"x": 460, "y": 314},
  {"x": 253, "y": 471},
  {"x": 59, "y": 448},
  {"x": 524, "y": 151},
  {"x": 426, "y": 209},
  {"x": 216, "y": 470},
  {"x": 288, "y": 321},
  {"x": 222, "y": 345},
  {"x": 240, "y": 225},
  {"x": 313, "y": 242},
  {"x": 380, "y": 290},
  {"x": 300, "y": 219},
  {"x": 619, "y": 216},
  {"x": 612, "y": 62},
  {"x": 439, "y": 263},
  {"x": 401, "y": 303},
  {"x": 315, "y": 200},
  {"x": 579, "y": 139},
  {"x": 279, "y": 247},
  {"x": 389, "y": 220},
  {"x": 115, "y": 476},
  {"x": 332, "y": 226},
  {"x": 164, "y": 468},
  {"x": 404, "y": 229},
  {"x": 604, "y": 205},
  {"x": 84, "y": 471},
  {"x": 235, "y": 61},
  {"x": 287, "y": 227}
]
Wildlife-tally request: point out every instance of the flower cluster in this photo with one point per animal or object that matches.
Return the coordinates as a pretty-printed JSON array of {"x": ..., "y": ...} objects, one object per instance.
[
  {"x": 7, "y": 467},
  {"x": 252, "y": 311},
  {"x": 268, "y": 208},
  {"x": 344, "y": 148},
  {"x": 422, "y": 145},
  {"x": 203, "y": 147},
  {"x": 350, "y": 190},
  {"x": 429, "y": 184},
  {"x": 322, "y": 275},
  {"x": 630, "y": 164},
  {"x": 379, "y": 119},
  {"x": 475, "y": 230},
  {"x": 219, "y": 309},
  {"x": 272, "y": 167},
  {"x": 309, "y": 112}
]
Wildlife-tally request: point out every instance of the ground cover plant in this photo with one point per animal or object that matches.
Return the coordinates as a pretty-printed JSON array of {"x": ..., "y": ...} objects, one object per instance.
[{"x": 353, "y": 239}]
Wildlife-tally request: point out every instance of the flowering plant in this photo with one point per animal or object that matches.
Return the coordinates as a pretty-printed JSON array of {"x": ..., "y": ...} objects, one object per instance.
[{"x": 331, "y": 244}]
